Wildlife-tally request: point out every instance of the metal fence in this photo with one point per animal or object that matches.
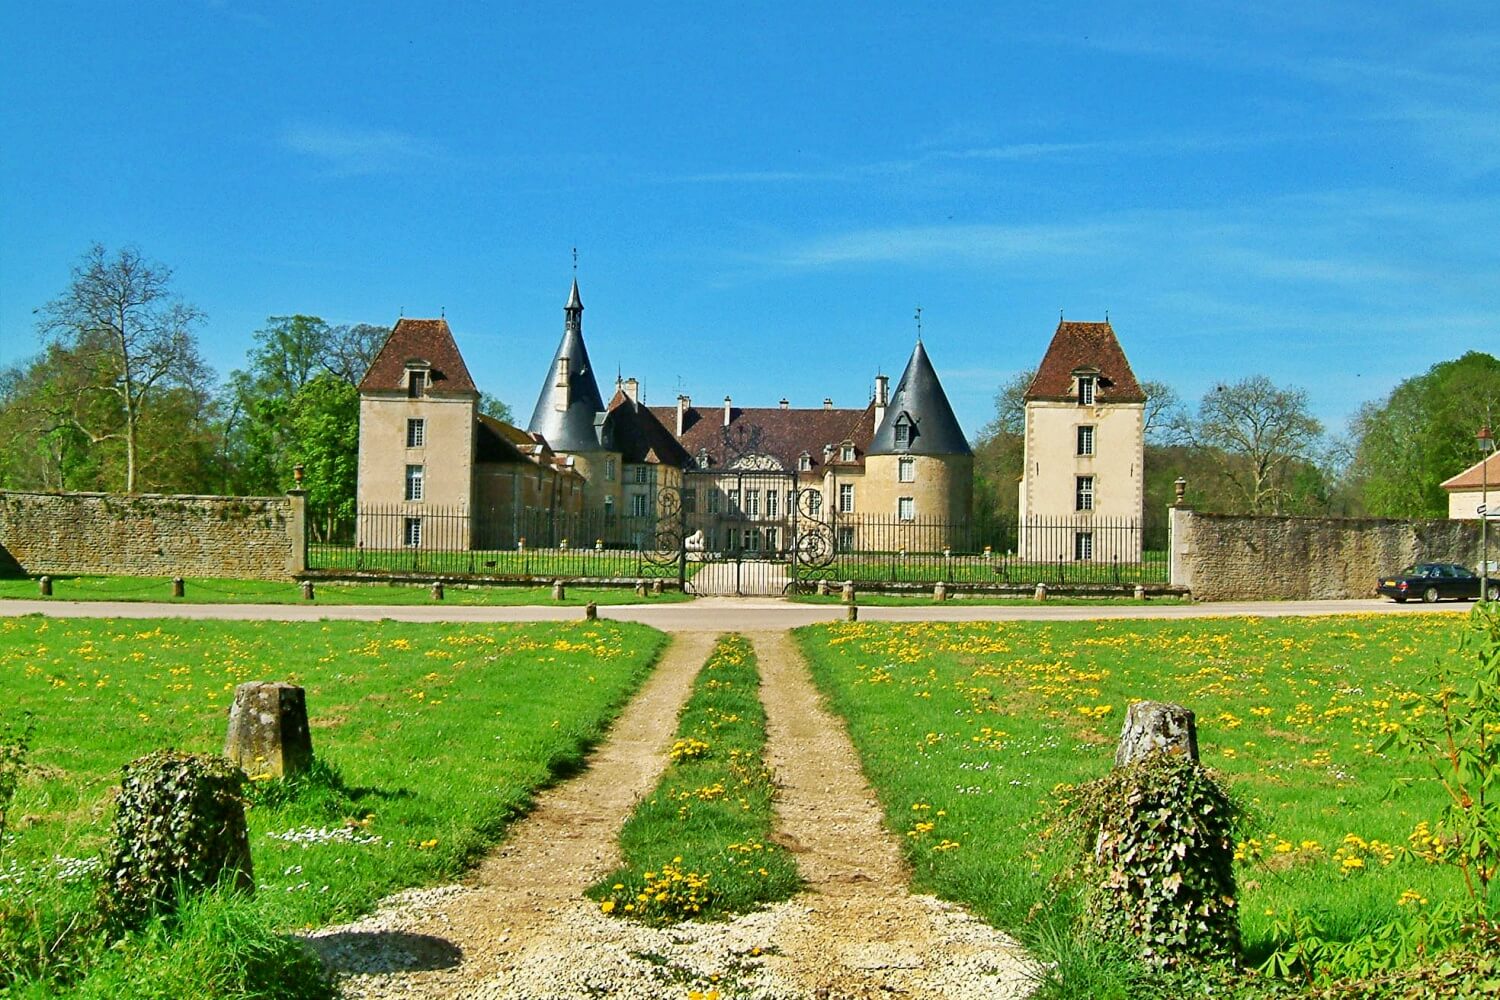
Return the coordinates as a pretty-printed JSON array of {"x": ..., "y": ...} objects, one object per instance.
[{"x": 543, "y": 544}]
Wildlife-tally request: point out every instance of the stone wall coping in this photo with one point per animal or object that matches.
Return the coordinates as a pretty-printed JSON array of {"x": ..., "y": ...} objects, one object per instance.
[{"x": 144, "y": 496}]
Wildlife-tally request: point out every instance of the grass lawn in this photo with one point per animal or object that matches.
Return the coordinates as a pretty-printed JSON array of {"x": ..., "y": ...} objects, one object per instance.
[
  {"x": 547, "y": 563},
  {"x": 970, "y": 726},
  {"x": 929, "y": 567},
  {"x": 699, "y": 846},
  {"x": 206, "y": 591},
  {"x": 437, "y": 735}
]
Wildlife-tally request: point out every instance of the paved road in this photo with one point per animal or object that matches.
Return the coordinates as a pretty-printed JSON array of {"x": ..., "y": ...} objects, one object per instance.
[{"x": 721, "y": 614}]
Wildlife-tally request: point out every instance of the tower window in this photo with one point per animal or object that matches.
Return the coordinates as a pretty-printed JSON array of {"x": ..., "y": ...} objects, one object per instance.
[
  {"x": 414, "y": 482},
  {"x": 411, "y": 532},
  {"x": 416, "y": 432},
  {"x": 1083, "y": 546},
  {"x": 906, "y": 470},
  {"x": 1086, "y": 390},
  {"x": 906, "y": 508},
  {"x": 1085, "y": 440},
  {"x": 638, "y": 505},
  {"x": 903, "y": 433},
  {"x": 416, "y": 382},
  {"x": 641, "y": 474},
  {"x": 1084, "y": 495},
  {"x": 609, "y": 470}
]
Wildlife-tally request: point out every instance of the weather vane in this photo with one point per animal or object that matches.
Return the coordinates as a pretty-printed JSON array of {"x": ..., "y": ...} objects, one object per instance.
[
  {"x": 919, "y": 323},
  {"x": 575, "y": 262}
]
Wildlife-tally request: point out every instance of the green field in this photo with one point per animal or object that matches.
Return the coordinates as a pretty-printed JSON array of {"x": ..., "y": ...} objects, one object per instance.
[
  {"x": 970, "y": 727},
  {"x": 699, "y": 846},
  {"x": 929, "y": 567},
  {"x": 543, "y": 563},
  {"x": 437, "y": 735},
  {"x": 214, "y": 591}
]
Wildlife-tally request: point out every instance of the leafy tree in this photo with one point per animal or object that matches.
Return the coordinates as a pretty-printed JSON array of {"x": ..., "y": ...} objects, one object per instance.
[
  {"x": 491, "y": 406},
  {"x": 130, "y": 341},
  {"x": 999, "y": 453},
  {"x": 324, "y": 418},
  {"x": 1422, "y": 434},
  {"x": 1263, "y": 437}
]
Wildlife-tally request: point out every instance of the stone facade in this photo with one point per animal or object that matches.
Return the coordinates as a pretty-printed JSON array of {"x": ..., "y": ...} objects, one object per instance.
[
  {"x": 247, "y": 538},
  {"x": 1224, "y": 557}
]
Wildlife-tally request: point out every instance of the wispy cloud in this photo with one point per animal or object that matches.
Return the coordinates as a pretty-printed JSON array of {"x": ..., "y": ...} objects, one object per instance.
[{"x": 347, "y": 151}]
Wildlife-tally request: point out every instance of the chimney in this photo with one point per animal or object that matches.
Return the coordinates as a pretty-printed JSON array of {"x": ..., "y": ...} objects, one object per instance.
[
  {"x": 633, "y": 389},
  {"x": 882, "y": 397},
  {"x": 726, "y": 411},
  {"x": 563, "y": 383},
  {"x": 827, "y": 402},
  {"x": 784, "y": 402},
  {"x": 683, "y": 405}
]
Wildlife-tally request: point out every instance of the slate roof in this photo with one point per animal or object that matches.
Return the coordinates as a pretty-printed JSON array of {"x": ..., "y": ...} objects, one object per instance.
[
  {"x": 1078, "y": 346},
  {"x": 640, "y": 436},
  {"x": 426, "y": 340},
  {"x": 572, "y": 429},
  {"x": 920, "y": 398},
  {"x": 500, "y": 442},
  {"x": 781, "y": 434},
  {"x": 1475, "y": 477}
]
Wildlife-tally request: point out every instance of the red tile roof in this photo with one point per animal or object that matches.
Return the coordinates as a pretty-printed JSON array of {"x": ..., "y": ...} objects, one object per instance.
[
  {"x": 1476, "y": 476},
  {"x": 640, "y": 436},
  {"x": 781, "y": 434},
  {"x": 426, "y": 340},
  {"x": 1081, "y": 346}
]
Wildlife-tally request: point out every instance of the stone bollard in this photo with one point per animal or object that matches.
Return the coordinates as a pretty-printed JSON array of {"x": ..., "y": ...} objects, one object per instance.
[
  {"x": 656, "y": 588},
  {"x": 591, "y": 611},
  {"x": 179, "y": 588},
  {"x": 940, "y": 591},
  {"x": 848, "y": 591},
  {"x": 853, "y": 614},
  {"x": 180, "y": 827},
  {"x": 1041, "y": 592},
  {"x": 822, "y": 588},
  {"x": 44, "y": 586},
  {"x": 640, "y": 588},
  {"x": 437, "y": 590},
  {"x": 307, "y": 590},
  {"x": 268, "y": 731},
  {"x": 1140, "y": 592},
  {"x": 1156, "y": 725},
  {"x": 559, "y": 593}
]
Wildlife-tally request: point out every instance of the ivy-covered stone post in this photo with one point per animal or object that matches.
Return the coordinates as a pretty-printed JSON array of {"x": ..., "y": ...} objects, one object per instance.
[
  {"x": 180, "y": 826},
  {"x": 268, "y": 732}
]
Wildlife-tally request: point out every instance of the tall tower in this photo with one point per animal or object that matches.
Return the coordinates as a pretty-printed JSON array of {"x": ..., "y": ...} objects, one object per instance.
[{"x": 570, "y": 413}]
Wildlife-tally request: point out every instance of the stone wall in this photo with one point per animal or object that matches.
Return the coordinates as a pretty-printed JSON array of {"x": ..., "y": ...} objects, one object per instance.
[
  {"x": 1222, "y": 557},
  {"x": 250, "y": 538}
]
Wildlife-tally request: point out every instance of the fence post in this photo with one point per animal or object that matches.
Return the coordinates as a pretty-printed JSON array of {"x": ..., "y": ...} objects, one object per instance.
[{"x": 296, "y": 529}]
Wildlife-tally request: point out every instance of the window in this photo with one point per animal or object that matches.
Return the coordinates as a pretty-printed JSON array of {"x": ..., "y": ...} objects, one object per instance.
[
  {"x": 846, "y": 498},
  {"x": 804, "y": 462},
  {"x": 1085, "y": 390},
  {"x": 416, "y": 381},
  {"x": 752, "y": 540},
  {"x": 638, "y": 505},
  {"x": 846, "y": 452},
  {"x": 906, "y": 508},
  {"x": 1085, "y": 440},
  {"x": 714, "y": 497},
  {"x": 773, "y": 501},
  {"x": 411, "y": 532},
  {"x": 906, "y": 469},
  {"x": 752, "y": 503},
  {"x": 734, "y": 501},
  {"x": 903, "y": 433},
  {"x": 641, "y": 474},
  {"x": 609, "y": 510},
  {"x": 690, "y": 501},
  {"x": 1085, "y": 494},
  {"x": 814, "y": 502},
  {"x": 770, "y": 539},
  {"x": 414, "y": 477},
  {"x": 609, "y": 470},
  {"x": 846, "y": 539},
  {"x": 416, "y": 432},
  {"x": 1083, "y": 546}
]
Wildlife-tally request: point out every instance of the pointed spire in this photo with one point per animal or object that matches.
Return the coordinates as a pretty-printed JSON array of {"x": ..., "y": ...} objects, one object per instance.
[
  {"x": 569, "y": 401},
  {"x": 575, "y": 303},
  {"x": 919, "y": 401}
]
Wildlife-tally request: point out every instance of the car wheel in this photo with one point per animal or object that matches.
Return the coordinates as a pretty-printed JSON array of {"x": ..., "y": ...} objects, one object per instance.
[{"x": 1430, "y": 595}]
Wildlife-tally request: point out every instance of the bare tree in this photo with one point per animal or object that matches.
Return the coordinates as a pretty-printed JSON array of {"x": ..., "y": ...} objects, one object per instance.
[
  {"x": 1165, "y": 418},
  {"x": 351, "y": 349},
  {"x": 1260, "y": 430},
  {"x": 132, "y": 339}
]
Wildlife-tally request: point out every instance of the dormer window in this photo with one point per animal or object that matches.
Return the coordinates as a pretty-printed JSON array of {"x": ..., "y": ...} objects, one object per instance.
[
  {"x": 903, "y": 432},
  {"x": 1086, "y": 390},
  {"x": 416, "y": 382},
  {"x": 804, "y": 462},
  {"x": 846, "y": 452},
  {"x": 703, "y": 459}
]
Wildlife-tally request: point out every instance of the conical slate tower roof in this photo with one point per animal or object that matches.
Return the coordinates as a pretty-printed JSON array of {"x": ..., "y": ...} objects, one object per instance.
[
  {"x": 919, "y": 397},
  {"x": 565, "y": 413}
]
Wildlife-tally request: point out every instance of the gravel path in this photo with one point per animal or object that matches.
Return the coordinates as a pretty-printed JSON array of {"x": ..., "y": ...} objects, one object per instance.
[{"x": 523, "y": 930}]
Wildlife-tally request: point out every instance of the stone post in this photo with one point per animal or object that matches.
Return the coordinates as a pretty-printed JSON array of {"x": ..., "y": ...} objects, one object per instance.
[
  {"x": 1156, "y": 725},
  {"x": 1041, "y": 592},
  {"x": 296, "y": 531},
  {"x": 940, "y": 591},
  {"x": 656, "y": 587},
  {"x": 307, "y": 590},
  {"x": 640, "y": 588},
  {"x": 1140, "y": 592},
  {"x": 822, "y": 588},
  {"x": 559, "y": 593},
  {"x": 179, "y": 588},
  {"x": 44, "y": 586},
  {"x": 437, "y": 590},
  {"x": 848, "y": 591},
  {"x": 853, "y": 613},
  {"x": 268, "y": 731},
  {"x": 591, "y": 611}
]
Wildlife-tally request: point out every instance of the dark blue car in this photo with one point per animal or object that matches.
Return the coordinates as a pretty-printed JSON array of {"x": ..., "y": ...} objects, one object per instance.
[{"x": 1435, "y": 582}]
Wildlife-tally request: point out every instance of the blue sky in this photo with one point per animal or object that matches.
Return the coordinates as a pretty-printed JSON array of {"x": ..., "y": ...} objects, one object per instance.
[{"x": 761, "y": 197}]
